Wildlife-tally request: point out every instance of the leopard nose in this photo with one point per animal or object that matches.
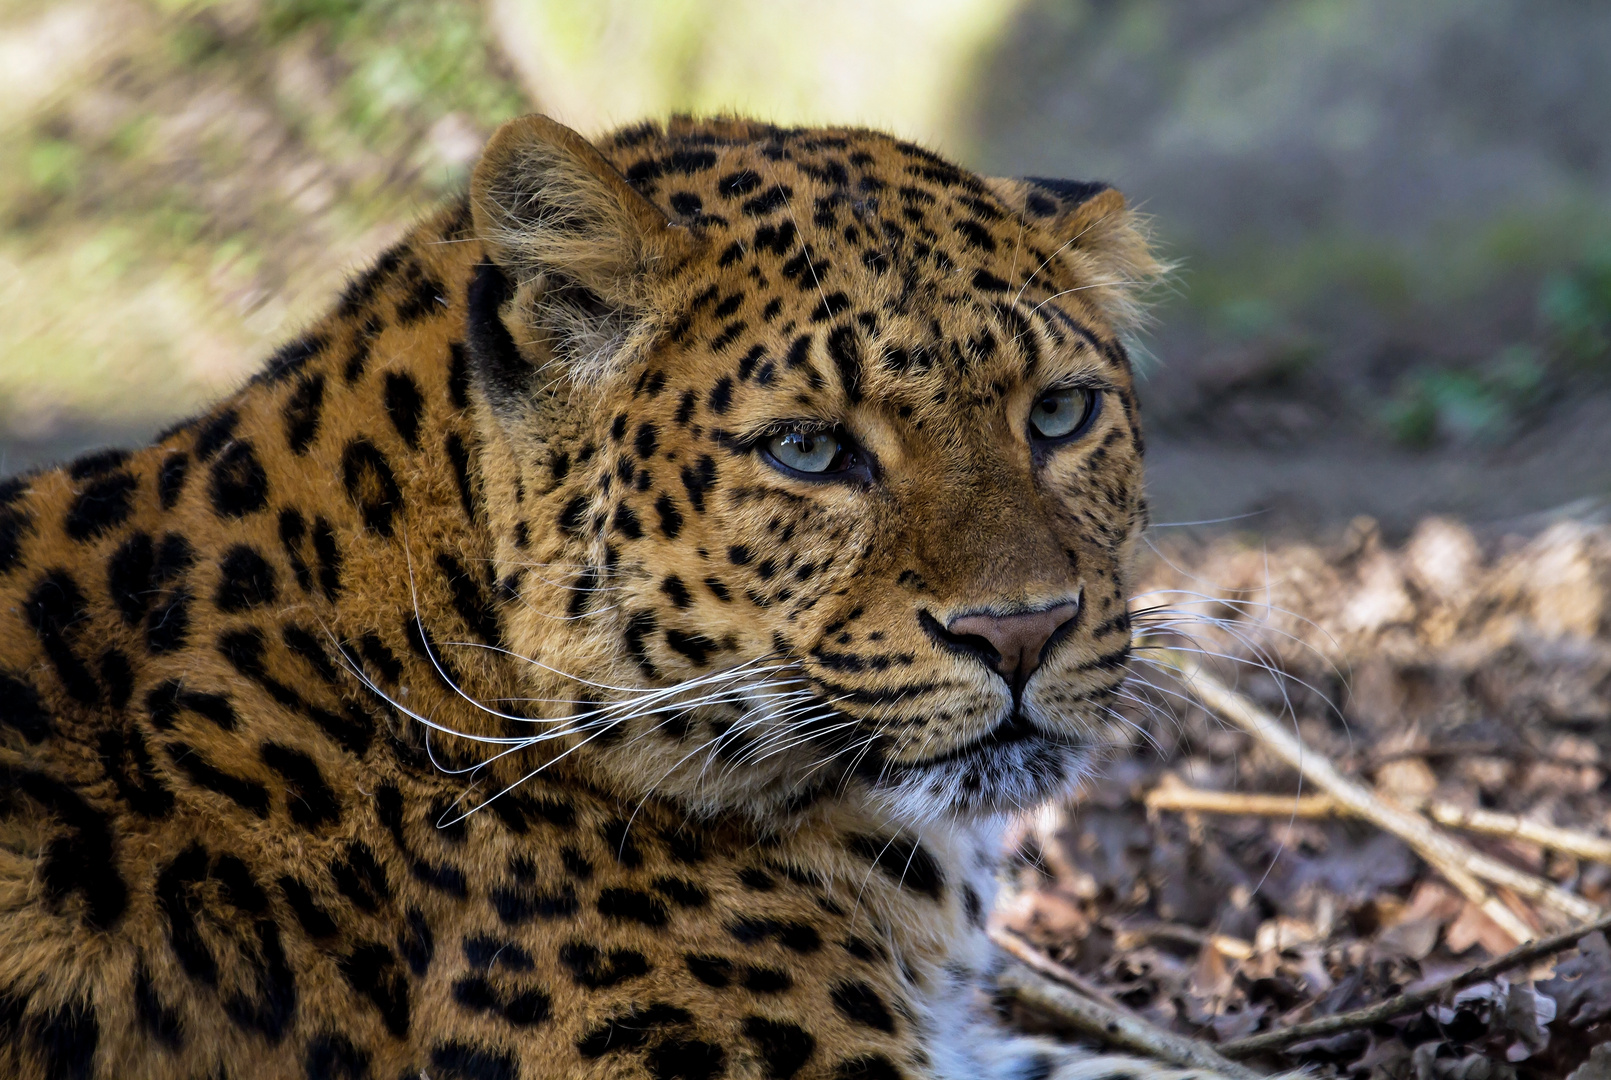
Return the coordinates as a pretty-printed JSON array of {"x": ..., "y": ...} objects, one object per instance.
[{"x": 1017, "y": 641}]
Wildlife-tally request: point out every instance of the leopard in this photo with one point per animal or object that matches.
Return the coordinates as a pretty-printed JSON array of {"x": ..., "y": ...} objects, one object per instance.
[{"x": 609, "y": 642}]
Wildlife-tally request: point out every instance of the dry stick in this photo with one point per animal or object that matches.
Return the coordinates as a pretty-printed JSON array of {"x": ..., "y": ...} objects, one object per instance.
[
  {"x": 1460, "y": 865},
  {"x": 1580, "y": 845},
  {"x": 1415, "y": 999},
  {"x": 1044, "y": 985}
]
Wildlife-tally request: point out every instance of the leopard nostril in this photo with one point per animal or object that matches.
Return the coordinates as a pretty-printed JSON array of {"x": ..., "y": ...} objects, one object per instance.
[{"x": 1018, "y": 640}]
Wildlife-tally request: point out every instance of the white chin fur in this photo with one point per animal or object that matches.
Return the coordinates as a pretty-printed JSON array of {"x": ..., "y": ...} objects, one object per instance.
[{"x": 988, "y": 782}]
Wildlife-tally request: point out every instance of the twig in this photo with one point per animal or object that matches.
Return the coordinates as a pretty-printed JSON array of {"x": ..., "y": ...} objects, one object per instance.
[
  {"x": 1462, "y": 867},
  {"x": 1173, "y": 795},
  {"x": 1020, "y": 948},
  {"x": 1050, "y": 994},
  {"x": 1126, "y": 936},
  {"x": 1415, "y": 999}
]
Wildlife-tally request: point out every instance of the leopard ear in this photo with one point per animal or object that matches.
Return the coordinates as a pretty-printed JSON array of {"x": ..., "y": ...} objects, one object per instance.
[
  {"x": 573, "y": 251},
  {"x": 1101, "y": 239}
]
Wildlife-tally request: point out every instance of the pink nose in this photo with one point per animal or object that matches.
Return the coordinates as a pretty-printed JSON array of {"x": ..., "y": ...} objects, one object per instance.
[{"x": 1018, "y": 640}]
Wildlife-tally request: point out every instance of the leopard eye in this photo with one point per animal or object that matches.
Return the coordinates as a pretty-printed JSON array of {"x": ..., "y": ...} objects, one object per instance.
[
  {"x": 814, "y": 452},
  {"x": 1062, "y": 414}
]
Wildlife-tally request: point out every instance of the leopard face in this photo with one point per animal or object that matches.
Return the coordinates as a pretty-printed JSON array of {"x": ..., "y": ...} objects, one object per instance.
[{"x": 818, "y": 461}]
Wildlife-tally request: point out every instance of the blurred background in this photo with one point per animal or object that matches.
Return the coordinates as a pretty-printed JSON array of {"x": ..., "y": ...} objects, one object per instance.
[{"x": 1393, "y": 220}]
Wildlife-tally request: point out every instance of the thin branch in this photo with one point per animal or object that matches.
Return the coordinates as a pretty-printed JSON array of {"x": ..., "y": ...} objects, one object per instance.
[
  {"x": 1461, "y": 866},
  {"x": 1051, "y": 994},
  {"x": 1415, "y": 999},
  {"x": 1174, "y": 795}
]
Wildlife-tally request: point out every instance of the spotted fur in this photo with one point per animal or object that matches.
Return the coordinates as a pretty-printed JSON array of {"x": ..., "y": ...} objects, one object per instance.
[{"x": 467, "y": 697}]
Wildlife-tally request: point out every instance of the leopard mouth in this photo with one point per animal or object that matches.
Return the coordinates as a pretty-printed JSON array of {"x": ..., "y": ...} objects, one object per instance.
[{"x": 1015, "y": 728}]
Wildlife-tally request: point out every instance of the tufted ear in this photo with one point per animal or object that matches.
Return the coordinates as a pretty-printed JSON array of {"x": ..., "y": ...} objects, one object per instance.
[
  {"x": 1102, "y": 240},
  {"x": 575, "y": 246}
]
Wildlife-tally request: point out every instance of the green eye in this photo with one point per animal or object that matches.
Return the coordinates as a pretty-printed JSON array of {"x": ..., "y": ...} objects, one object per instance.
[
  {"x": 808, "y": 451},
  {"x": 1063, "y": 413}
]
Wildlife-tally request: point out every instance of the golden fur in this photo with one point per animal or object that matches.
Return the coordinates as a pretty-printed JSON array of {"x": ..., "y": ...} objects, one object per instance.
[{"x": 467, "y": 696}]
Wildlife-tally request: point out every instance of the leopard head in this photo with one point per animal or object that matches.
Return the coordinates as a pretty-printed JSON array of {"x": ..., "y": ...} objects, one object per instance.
[{"x": 813, "y": 460}]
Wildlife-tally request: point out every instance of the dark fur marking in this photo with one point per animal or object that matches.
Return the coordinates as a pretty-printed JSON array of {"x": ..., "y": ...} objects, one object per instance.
[
  {"x": 404, "y": 404},
  {"x": 630, "y": 1030},
  {"x": 102, "y": 505},
  {"x": 371, "y": 485},
  {"x": 360, "y": 878},
  {"x": 372, "y": 970},
  {"x": 249, "y": 795},
  {"x": 303, "y": 411},
  {"x": 904, "y": 860},
  {"x": 82, "y": 860},
  {"x": 56, "y": 610},
  {"x": 309, "y": 800},
  {"x": 313, "y": 918},
  {"x": 238, "y": 484},
  {"x": 784, "y": 1048},
  {"x": 860, "y": 1003},
  {"x": 462, "y": 1061},
  {"x": 245, "y": 581},
  {"x": 22, "y": 710},
  {"x": 595, "y": 970}
]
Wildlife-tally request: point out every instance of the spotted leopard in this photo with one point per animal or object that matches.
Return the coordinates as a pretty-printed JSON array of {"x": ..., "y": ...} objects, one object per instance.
[{"x": 606, "y": 644}]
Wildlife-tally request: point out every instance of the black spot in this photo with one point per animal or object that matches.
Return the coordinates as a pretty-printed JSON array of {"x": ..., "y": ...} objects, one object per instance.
[
  {"x": 988, "y": 282},
  {"x": 796, "y": 936},
  {"x": 308, "y": 799},
  {"x": 767, "y": 201},
  {"x": 332, "y": 1056},
  {"x": 718, "y": 589},
  {"x": 753, "y": 877},
  {"x": 576, "y": 863},
  {"x": 845, "y": 352},
  {"x": 21, "y": 709},
  {"x": 832, "y": 305},
  {"x": 638, "y": 627},
  {"x": 462, "y": 1061},
  {"x": 517, "y": 810},
  {"x": 249, "y": 795},
  {"x": 631, "y": 905},
  {"x": 56, "y": 610},
  {"x": 360, "y": 878},
  {"x": 626, "y": 522},
  {"x": 685, "y": 1059},
  {"x": 697, "y": 479},
  {"x": 82, "y": 859},
  {"x": 291, "y": 357},
  {"x": 670, "y": 517},
  {"x": 738, "y": 183},
  {"x": 166, "y": 700},
  {"x": 765, "y": 980},
  {"x": 784, "y": 1047},
  {"x": 404, "y": 405},
  {"x": 174, "y": 557},
  {"x": 313, "y": 918},
  {"x": 382, "y": 659},
  {"x": 572, "y": 516},
  {"x": 860, "y": 1003},
  {"x": 372, "y": 970},
  {"x": 167, "y": 628},
  {"x": 458, "y": 382},
  {"x": 646, "y": 440},
  {"x": 595, "y": 970},
  {"x": 13, "y": 524},
  {"x": 424, "y": 296},
  {"x": 685, "y": 407},
  {"x": 371, "y": 485},
  {"x": 468, "y": 600},
  {"x": 485, "y": 951},
  {"x": 905, "y": 861},
  {"x": 238, "y": 485},
  {"x": 778, "y": 239},
  {"x": 676, "y": 591},
  {"x": 303, "y": 411},
  {"x": 721, "y": 395},
  {"x": 728, "y": 306},
  {"x": 867, "y": 1067},
  {"x": 739, "y": 555},
  {"x": 975, "y": 235},
  {"x": 799, "y": 351},
  {"x": 630, "y": 1030},
  {"x": 302, "y": 642},
  {"x": 103, "y": 504},
  {"x": 128, "y": 577},
  {"x": 245, "y": 580},
  {"x": 460, "y": 460},
  {"x": 416, "y": 943},
  {"x": 215, "y": 433},
  {"x": 363, "y": 288},
  {"x": 244, "y": 650},
  {"x": 97, "y": 463},
  {"x": 516, "y": 904},
  {"x": 686, "y": 203},
  {"x": 696, "y": 647},
  {"x": 156, "y": 1018},
  {"x": 683, "y": 893},
  {"x": 67, "y": 1038}
]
